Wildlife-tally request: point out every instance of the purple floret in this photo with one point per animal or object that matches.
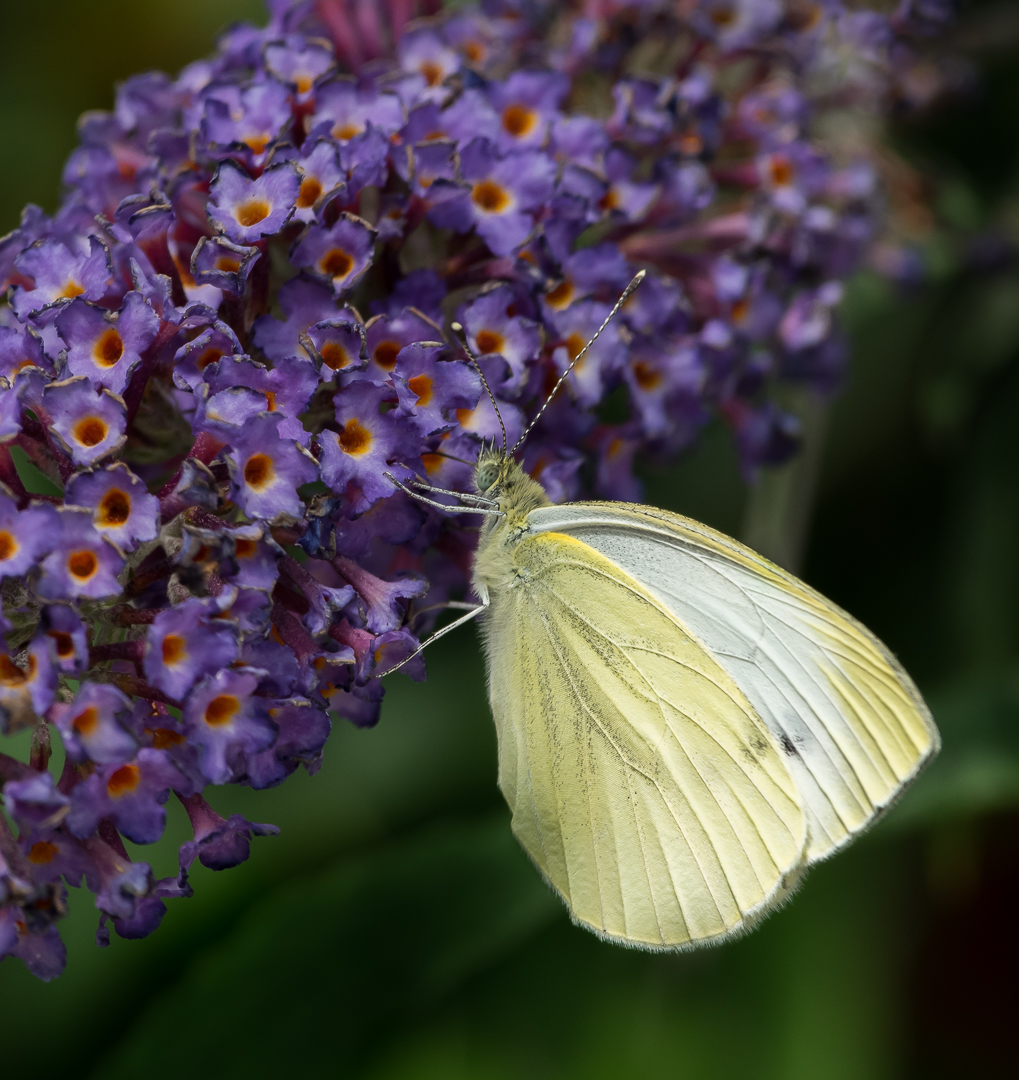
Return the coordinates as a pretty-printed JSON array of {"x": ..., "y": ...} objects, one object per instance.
[
  {"x": 90, "y": 424},
  {"x": 339, "y": 255},
  {"x": 82, "y": 562},
  {"x": 247, "y": 210},
  {"x": 267, "y": 470},
  {"x": 106, "y": 346},
  {"x": 122, "y": 509},
  {"x": 185, "y": 643}
]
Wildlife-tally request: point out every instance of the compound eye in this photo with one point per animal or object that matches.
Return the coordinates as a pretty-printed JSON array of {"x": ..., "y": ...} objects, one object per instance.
[{"x": 487, "y": 476}]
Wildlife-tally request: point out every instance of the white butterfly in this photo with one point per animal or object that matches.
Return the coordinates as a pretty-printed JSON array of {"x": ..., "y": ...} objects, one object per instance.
[{"x": 683, "y": 726}]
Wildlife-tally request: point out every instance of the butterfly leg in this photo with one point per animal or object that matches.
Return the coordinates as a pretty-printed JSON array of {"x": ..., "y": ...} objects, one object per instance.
[{"x": 474, "y": 611}]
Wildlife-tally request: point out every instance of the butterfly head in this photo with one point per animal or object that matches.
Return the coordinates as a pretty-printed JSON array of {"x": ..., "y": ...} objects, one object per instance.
[{"x": 491, "y": 470}]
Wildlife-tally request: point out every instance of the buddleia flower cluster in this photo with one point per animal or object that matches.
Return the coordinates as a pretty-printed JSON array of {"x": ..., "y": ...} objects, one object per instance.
[{"x": 230, "y": 345}]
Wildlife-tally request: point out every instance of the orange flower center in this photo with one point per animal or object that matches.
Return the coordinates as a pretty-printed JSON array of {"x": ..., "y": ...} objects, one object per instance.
[
  {"x": 10, "y": 674},
  {"x": 384, "y": 354},
  {"x": 64, "y": 642},
  {"x": 574, "y": 344},
  {"x": 647, "y": 377},
  {"x": 70, "y": 290},
  {"x": 109, "y": 348},
  {"x": 259, "y": 471},
  {"x": 91, "y": 430},
  {"x": 209, "y": 356},
  {"x": 252, "y": 212},
  {"x": 561, "y": 296},
  {"x": 421, "y": 385},
  {"x": 8, "y": 545},
  {"x": 334, "y": 355},
  {"x": 82, "y": 564},
  {"x": 337, "y": 263},
  {"x": 355, "y": 439},
  {"x": 221, "y": 710},
  {"x": 519, "y": 120},
  {"x": 114, "y": 509},
  {"x": 432, "y": 72},
  {"x": 311, "y": 188},
  {"x": 164, "y": 738},
  {"x": 488, "y": 341},
  {"x": 347, "y": 130},
  {"x": 782, "y": 171},
  {"x": 228, "y": 264},
  {"x": 42, "y": 852},
  {"x": 490, "y": 197},
  {"x": 86, "y": 722},
  {"x": 244, "y": 549},
  {"x": 174, "y": 649},
  {"x": 125, "y": 780}
]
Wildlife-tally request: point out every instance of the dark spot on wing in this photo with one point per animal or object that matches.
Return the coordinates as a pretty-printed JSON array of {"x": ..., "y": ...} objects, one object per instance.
[{"x": 787, "y": 746}]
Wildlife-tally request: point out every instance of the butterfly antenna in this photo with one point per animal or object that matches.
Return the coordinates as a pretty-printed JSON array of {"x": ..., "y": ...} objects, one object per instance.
[
  {"x": 462, "y": 338},
  {"x": 627, "y": 293}
]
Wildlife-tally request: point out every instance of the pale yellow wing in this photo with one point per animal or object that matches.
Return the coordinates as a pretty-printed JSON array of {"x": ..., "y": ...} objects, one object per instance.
[
  {"x": 853, "y": 727},
  {"x": 641, "y": 780}
]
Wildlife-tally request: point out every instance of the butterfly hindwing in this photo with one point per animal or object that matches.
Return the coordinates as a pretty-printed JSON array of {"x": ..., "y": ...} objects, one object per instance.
[
  {"x": 851, "y": 724},
  {"x": 641, "y": 780}
]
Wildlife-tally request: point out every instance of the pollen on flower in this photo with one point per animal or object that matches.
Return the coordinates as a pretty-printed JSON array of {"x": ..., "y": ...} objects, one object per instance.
[
  {"x": 123, "y": 781},
  {"x": 354, "y": 438},
  {"x": 228, "y": 264},
  {"x": 489, "y": 341},
  {"x": 647, "y": 377},
  {"x": 421, "y": 386},
  {"x": 561, "y": 296},
  {"x": 109, "y": 348},
  {"x": 221, "y": 710},
  {"x": 114, "y": 509},
  {"x": 336, "y": 263},
  {"x": 490, "y": 197},
  {"x": 165, "y": 738},
  {"x": 10, "y": 674},
  {"x": 347, "y": 131},
  {"x": 385, "y": 353},
  {"x": 70, "y": 290},
  {"x": 174, "y": 649},
  {"x": 334, "y": 355},
  {"x": 42, "y": 853},
  {"x": 519, "y": 120},
  {"x": 63, "y": 643},
  {"x": 86, "y": 721},
  {"x": 259, "y": 471},
  {"x": 252, "y": 212},
  {"x": 91, "y": 430},
  {"x": 82, "y": 564},
  {"x": 311, "y": 188},
  {"x": 9, "y": 547}
]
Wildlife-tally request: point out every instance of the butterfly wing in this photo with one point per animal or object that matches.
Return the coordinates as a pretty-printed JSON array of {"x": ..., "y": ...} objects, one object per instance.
[
  {"x": 853, "y": 727},
  {"x": 641, "y": 780}
]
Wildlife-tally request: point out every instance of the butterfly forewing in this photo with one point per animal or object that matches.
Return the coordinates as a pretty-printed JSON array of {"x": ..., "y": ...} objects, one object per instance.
[
  {"x": 850, "y": 723},
  {"x": 641, "y": 779}
]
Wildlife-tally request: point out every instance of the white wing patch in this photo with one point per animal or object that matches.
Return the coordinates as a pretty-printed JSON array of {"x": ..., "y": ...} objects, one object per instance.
[{"x": 853, "y": 727}]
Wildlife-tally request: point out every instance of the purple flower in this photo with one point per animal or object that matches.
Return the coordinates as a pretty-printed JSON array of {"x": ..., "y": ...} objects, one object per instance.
[
  {"x": 219, "y": 844},
  {"x": 286, "y": 388},
  {"x": 60, "y": 275},
  {"x": 338, "y": 255},
  {"x": 90, "y": 424},
  {"x": 381, "y": 598},
  {"x": 122, "y": 509},
  {"x": 303, "y": 730},
  {"x": 211, "y": 344},
  {"x": 323, "y": 177},
  {"x": 499, "y": 197},
  {"x": 337, "y": 345},
  {"x": 366, "y": 444},
  {"x": 132, "y": 795},
  {"x": 216, "y": 261},
  {"x": 526, "y": 104},
  {"x": 21, "y": 347},
  {"x": 185, "y": 643},
  {"x": 299, "y": 63},
  {"x": 574, "y": 328},
  {"x": 431, "y": 389},
  {"x": 266, "y": 471},
  {"x": 495, "y": 329},
  {"x": 253, "y": 120},
  {"x": 303, "y": 304},
  {"x": 82, "y": 562},
  {"x": 246, "y": 210},
  {"x": 343, "y": 110},
  {"x": 91, "y": 726},
  {"x": 107, "y": 346},
  {"x": 226, "y": 723},
  {"x": 36, "y": 802},
  {"x": 62, "y": 625},
  {"x": 26, "y": 688},
  {"x": 25, "y": 536}
]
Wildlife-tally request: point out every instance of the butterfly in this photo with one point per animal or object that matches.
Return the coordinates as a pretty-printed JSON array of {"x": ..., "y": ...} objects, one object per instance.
[{"x": 684, "y": 727}]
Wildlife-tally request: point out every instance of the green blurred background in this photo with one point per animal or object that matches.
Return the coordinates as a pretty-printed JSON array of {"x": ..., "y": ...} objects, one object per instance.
[{"x": 394, "y": 929}]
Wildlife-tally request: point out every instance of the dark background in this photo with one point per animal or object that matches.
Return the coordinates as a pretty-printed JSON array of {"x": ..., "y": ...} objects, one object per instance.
[{"x": 394, "y": 929}]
